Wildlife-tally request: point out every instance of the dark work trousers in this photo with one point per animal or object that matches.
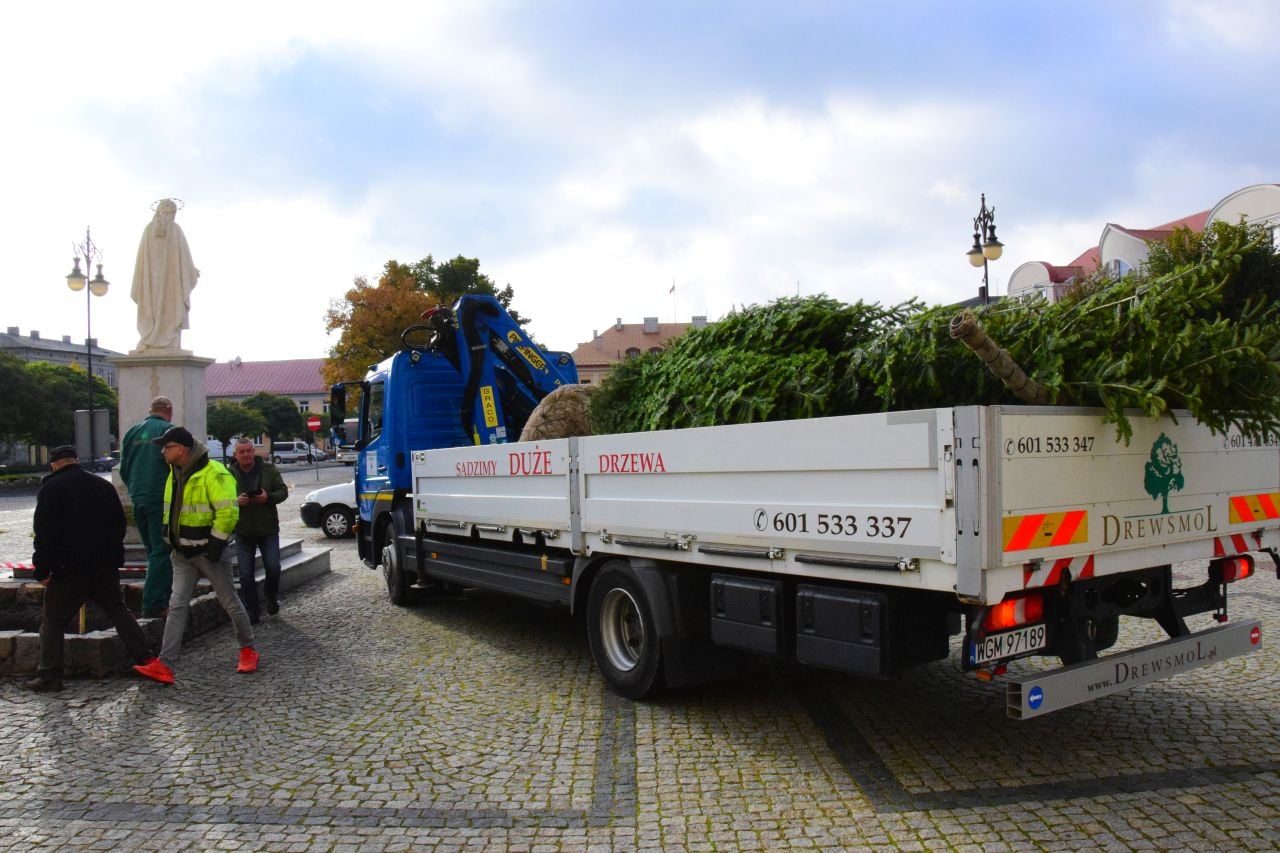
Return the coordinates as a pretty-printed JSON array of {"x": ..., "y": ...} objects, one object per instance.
[
  {"x": 64, "y": 596},
  {"x": 246, "y": 548},
  {"x": 156, "y": 589}
]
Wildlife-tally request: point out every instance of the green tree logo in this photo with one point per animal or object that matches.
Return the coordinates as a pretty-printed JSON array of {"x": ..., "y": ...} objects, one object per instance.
[{"x": 1164, "y": 471}]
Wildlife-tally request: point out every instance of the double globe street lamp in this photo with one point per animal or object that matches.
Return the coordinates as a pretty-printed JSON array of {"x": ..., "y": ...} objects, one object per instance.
[
  {"x": 985, "y": 245},
  {"x": 77, "y": 280}
]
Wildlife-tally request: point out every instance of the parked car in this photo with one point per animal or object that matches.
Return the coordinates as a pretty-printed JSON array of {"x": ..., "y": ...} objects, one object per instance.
[
  {"x": 101, "y": 465},
  {"x": 291, "y": 451},
  {"x": 332, "y": 509}
]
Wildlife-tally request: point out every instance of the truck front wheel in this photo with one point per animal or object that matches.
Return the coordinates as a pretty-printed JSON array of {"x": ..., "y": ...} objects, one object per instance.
[
  {"x": 393, "y": 568},
  {"x": 624, "y": 642}
]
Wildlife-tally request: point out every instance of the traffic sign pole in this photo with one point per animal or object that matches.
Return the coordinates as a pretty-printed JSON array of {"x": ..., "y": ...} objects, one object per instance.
[{"x": 313, "y": 424}]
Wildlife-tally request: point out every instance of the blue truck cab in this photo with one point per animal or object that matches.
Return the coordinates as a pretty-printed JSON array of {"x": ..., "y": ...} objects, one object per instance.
[{"x": 424, "y": 397}]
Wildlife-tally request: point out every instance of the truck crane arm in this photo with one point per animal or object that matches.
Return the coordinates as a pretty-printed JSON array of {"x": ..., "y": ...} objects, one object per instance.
[{"x": 506, "y": 374}]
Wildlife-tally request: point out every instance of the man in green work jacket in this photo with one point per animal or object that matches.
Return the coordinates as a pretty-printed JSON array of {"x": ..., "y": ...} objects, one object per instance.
[{"x": 143, "y": 469}]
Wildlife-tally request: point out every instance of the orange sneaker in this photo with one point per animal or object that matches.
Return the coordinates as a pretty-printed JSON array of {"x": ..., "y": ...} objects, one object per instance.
[
  {"x": 248, "y": 660},
  {"x": 156, "y": 670}
]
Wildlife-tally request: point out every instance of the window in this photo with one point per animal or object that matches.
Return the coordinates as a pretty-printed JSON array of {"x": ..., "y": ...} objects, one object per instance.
[
  {"x": 304, "y": 406},
  {"x": 655, "y": 349},
  {"x": 632, "y": 352},
  {"x": 1120, "y": 267},
  {"x": 373, "y": 411}
]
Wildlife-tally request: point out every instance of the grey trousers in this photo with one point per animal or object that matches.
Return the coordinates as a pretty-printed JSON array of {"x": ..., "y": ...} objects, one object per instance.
[{"x": 186, "y": 571}]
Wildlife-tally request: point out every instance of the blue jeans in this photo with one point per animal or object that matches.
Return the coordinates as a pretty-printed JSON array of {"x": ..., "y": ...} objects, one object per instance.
[{"x": 269, "y": 546}]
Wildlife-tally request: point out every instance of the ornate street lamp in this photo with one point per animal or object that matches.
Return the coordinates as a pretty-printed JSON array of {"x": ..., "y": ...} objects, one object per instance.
[
  {"x": 76, "y": 280},
  {"x": 985, "y": 245}
]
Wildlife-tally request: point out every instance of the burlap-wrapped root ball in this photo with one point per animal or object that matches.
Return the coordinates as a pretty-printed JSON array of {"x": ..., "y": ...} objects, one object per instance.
[{"x": 562, "y": 414}]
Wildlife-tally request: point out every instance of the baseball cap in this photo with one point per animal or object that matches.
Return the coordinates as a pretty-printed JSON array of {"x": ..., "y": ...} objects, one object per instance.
[{"x": 175, "y": 435}]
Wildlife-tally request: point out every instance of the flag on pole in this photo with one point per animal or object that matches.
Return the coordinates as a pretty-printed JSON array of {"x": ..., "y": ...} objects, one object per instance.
[{"x": 673, "y": 288}]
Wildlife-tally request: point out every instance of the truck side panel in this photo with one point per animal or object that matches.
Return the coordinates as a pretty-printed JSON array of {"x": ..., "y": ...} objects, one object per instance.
[
  {"x": 499, "y": 488},
  {"x": 863, "y": 497}
]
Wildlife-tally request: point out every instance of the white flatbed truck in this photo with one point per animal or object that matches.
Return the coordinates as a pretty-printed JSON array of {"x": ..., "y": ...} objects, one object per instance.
[{"x": 861, "y": 543}]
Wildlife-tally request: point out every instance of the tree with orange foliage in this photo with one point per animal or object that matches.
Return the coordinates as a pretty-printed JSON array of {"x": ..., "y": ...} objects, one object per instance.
[{"x": 372, "y": 317}]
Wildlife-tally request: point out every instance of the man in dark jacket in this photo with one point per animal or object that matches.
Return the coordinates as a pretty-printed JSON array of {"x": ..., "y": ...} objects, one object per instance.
[
  {"x": 79, "y": 547},
  {"x": 259, "y": 487}
]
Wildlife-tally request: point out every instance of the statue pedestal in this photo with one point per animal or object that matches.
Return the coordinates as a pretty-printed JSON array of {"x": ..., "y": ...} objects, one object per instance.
[{"x": 176, "y": 374}]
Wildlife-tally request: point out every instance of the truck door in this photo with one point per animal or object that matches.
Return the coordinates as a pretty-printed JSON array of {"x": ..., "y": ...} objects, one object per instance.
[{"x": 372, "y": 476}]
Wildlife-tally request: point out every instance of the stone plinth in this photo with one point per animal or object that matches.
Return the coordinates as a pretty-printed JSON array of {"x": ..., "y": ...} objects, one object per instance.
[{"x": 177, "y": 374}]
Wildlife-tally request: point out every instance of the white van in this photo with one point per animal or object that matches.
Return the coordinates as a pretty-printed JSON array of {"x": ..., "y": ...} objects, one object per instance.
[{"x": 291, "y": 451}]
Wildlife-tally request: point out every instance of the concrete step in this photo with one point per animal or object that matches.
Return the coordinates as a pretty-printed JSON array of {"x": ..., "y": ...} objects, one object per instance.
[
  {"x": 100, "y": 653},
  {"x": 135, "y": 560}
]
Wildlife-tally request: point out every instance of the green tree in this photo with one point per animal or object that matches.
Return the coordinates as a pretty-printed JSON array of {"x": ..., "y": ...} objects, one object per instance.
[
  {"x": 1257, "y": 278},
  {"x": 281, "y": 415},
  {"x": 1164, "y": 471},
  {"x": 227, "y": 420},
  {"x": 61, "y": 390},
  {"x": 18, "y": 400},
  {"x": 449, "y": 281},
  {"x": 371, "y": 318}
]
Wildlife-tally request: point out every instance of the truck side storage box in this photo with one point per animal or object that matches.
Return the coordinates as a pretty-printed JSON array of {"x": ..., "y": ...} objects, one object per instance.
[
  {"x": 841, "y": 629},
  {"x": 748, "y": 614}
]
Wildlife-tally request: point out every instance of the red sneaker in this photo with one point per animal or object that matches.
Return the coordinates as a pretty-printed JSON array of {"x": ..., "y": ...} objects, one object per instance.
[
  {"x": 156, "y": 670},
  {"x": 248, "y": 660}
]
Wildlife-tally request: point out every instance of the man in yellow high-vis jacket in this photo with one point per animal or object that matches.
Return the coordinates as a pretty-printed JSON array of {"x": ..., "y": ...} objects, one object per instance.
[{"x": 199, "y": 515}]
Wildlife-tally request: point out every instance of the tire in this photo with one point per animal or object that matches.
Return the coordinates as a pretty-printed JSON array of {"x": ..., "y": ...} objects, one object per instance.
[
  {"x": 620, "y": 628},
  {"x": 1107, "y": 631},
  {"x": 397, "y": 581},
  {"x": 276, "y": 459},
  {"x": 337, "y": 522},
  {"x": 100, "y": 468}
]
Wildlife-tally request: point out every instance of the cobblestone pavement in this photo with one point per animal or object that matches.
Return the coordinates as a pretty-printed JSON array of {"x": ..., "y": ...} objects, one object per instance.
[{"x": 479, "y": 723}]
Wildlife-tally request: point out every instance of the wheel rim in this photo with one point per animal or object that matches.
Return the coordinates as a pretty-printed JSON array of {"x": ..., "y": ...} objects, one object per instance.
[
  {"x": 388, "y": 570},
  {"x": 621, "y": 630},
  {"x": 335, "y": 523}
]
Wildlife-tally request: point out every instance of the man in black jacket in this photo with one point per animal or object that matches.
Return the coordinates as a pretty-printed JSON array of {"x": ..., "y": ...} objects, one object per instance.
[{"x": 79, "y": 546}]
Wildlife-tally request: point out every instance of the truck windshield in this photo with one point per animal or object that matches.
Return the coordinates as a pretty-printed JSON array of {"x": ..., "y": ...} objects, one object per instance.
[{"x": 373, "y": 401}]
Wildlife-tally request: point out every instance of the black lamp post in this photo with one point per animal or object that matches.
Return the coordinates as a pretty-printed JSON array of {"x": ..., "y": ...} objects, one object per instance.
[
  {"x": 76, "y": 280},
  {"x": 985, "y": 245}
]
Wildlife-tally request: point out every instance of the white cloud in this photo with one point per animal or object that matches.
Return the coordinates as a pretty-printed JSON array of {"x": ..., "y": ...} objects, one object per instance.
[{"x": 1224, "y": 26}]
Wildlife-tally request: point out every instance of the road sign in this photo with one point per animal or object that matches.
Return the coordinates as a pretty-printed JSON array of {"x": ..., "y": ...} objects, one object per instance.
[{"x": 313, "y": 423}]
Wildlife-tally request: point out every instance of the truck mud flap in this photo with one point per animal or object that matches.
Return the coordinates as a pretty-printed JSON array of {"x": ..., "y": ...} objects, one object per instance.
[{"x": 1033, "y": 695}]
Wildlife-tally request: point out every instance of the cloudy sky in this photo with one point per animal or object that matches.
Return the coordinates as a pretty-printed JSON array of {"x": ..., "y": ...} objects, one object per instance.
[{"x": 591, "y": 154}]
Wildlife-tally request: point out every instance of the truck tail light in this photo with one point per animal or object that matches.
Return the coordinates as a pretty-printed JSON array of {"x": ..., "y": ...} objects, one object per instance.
[
  {"x": 1013, "y": 612},
  {"x": 1228, "y": 569}
]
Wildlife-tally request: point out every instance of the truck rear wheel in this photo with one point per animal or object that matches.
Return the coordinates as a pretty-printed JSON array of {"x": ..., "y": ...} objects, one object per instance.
[{"x": 620, "y": 627}]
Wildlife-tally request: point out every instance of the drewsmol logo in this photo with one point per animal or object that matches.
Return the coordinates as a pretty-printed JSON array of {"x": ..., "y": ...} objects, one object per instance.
[{"x": 1163, "y": 475}]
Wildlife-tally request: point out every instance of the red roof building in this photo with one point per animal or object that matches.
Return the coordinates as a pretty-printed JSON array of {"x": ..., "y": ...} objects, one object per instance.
[
  {"x": 1122, "y": 249},
  {"x": 298, "y": 378},
  {"x": 596, "y": 357}
]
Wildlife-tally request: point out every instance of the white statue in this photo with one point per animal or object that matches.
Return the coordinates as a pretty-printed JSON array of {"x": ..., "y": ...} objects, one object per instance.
[{"x": 163, "y": 279}]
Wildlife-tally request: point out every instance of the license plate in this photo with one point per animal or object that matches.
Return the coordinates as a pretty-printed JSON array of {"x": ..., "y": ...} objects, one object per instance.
[{"x": 1008, "y": 644}]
